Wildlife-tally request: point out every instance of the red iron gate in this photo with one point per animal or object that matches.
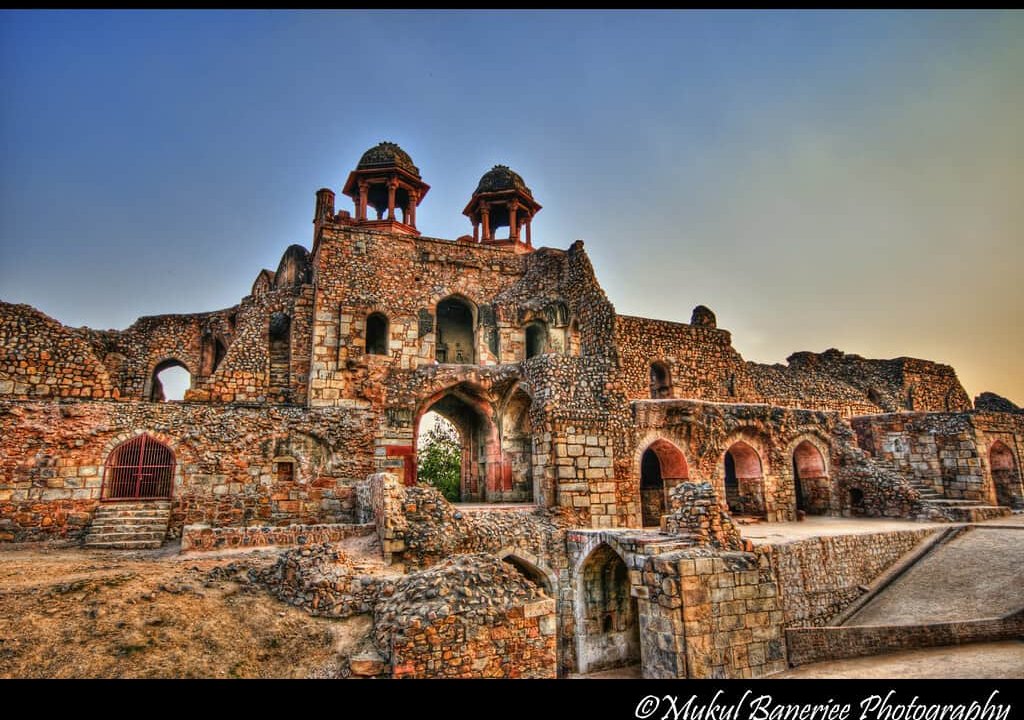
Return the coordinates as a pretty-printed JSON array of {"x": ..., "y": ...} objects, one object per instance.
[{"x": 139, "y": 469}]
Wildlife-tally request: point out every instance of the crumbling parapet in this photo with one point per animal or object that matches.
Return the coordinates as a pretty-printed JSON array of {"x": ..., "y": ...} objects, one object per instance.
[
  {"x": 696, "y": 511},
  {"x": 469, "y": 616}
]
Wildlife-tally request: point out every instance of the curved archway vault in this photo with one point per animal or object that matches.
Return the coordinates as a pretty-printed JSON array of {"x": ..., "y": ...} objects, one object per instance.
[
  {"x": 1005, "y": 475},
  {"x": 744, "y": 480},
  {"x": 662, "y": 466},
  {"x": 811, "y": 484},
  {"x": 497, "y": 446}
]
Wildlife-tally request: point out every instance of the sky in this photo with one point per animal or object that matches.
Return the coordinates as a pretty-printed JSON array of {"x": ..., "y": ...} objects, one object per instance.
[{"x": 821, "y": 179}]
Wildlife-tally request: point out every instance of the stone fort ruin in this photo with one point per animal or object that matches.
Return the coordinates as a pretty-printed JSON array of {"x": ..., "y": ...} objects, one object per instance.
[{"x": 606, "y": 458}]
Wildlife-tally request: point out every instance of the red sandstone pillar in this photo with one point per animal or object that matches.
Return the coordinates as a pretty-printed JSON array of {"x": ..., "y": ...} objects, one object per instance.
[
  {"x": 485, "y": 218},
  {"x": 476, "y": 232},
  {"x": 513, "y": 226},
  {"x": 392, "y": 186},
  {"x": 361, "y": 204},
  {"x": 529, "y": 242},
  {"x": 413, "y": 197}
]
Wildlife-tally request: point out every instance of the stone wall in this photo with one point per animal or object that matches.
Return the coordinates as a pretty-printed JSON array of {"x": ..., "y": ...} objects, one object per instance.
[
  {"x": 820, "y": 577},
  {"x": 723, "y": 612},
  {"x": 807, "y": 645},
  {"x": 696, "y": 512},
  {"x": 702, "y": 433},
  {"x": 947, "y": 452},
  {"x": 701, "y": 364},
  {"x": 469, "y": 616},
  {"x": 419, "y": 528},
  {"x": 199, "y": 538},
  {"x": 132, "y": 355},
  {"x": 53, "y": 457},
  {"x": 701, "y": 361},
  {"x": 244, "y": 374},
  {"x": 41, "y": 358},
  {"x": 853, "y": 385}
]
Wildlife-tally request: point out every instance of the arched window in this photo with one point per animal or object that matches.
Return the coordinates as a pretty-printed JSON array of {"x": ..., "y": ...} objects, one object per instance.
[
  {"x": 377, "y": 334},
  {"x": 536, "y": 339},
  {"x": 140, "y": 468},
  {"x": 661, "y": 381},
  {"x": 171, "y": 378},
  {"x": 456, "y": 337}
]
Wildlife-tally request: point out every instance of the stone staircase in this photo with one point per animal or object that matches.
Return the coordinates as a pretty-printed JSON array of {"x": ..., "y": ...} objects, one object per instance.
[
  {"x": 129, "y": 525},
  {"x": 952, "y": 510},
  {"x": 956, "y": 510}
]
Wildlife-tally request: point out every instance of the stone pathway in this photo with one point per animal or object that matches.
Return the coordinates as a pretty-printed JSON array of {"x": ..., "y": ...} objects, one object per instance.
[{"x": 978, "y": 574}]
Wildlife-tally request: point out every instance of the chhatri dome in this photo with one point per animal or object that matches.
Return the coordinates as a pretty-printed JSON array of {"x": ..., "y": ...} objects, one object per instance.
[{"x": 502, "y": 199}]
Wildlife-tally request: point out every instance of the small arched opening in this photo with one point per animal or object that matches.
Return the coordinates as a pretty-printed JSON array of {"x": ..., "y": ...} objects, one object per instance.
[
  {"x": 662, "y": 466},
  {"x": 531, "y": 572},
  {"x": 744, "y": 481},
  {"x": 377, "y": 334},
  {"x": 609, "y": 632},
  {"x": 1005, "y": 475},
  {"x": 456, "y": 337},
  {"x": 169, "y": 382},
  {"x": 284, "y": 469},
  {"x": 138, "y": 469},
  {"x": 856, "y": 502},
  {"x": 810, "y": 479},
  {"x": 661, "y": 381},
  {"x": 536, "y": 339}
]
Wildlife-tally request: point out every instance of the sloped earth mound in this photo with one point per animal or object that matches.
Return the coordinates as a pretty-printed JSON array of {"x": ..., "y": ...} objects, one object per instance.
[{"x": 73, "y": 613}]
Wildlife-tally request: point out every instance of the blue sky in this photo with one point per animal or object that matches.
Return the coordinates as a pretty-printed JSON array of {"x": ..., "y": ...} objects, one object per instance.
[{"x": 819, "y": 179}]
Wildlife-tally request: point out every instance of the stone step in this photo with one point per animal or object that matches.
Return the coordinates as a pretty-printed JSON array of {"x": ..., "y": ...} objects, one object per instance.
[
  {"x": 973, "y": 512},
  {"x": 956, "y": 502},
  {"x": 125, "y": 545},
  {"x": 140, "y": 515},
  {"x": 152, "y": 527},
  {"x": 121, "y": 522},
  {"x": 129, "y": 525},
  {"x": 136, "y": 504},
  {"x": 118, "y": 536}
]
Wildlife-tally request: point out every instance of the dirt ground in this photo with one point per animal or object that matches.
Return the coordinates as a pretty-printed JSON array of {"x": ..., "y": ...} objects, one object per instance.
[{"x": 73, "y": 613}]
